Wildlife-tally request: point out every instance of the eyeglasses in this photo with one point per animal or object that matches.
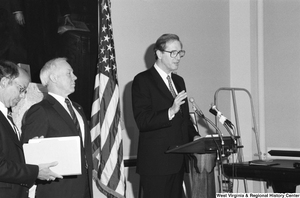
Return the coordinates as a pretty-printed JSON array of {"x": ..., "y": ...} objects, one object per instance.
[
  {"x": 21, "y": 89},
  {"x": 175, "y": 53}
]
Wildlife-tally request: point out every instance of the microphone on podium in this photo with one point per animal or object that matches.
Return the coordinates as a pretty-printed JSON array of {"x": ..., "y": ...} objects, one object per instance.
[
  {"x": 222, "y": 119},
  {"x": 200, "y": 113},
  {"x": 196, "y": 108}
]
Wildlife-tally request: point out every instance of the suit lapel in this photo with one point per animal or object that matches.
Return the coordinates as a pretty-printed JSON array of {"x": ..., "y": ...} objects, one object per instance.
[
  {"x": 176, "y": 83},
  {"x": 159, "y": 82},
  {"x": 86, "y": 125},
  {"x": 81, "y": 112},
  {"x": 9, "y": 130},
  {"x": 179, "y": 87},
  {"x": 62, "y": 112},
  {"x": 162, "y": 87}
]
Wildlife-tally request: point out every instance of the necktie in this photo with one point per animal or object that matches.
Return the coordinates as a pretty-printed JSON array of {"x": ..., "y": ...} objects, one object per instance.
[
  {"x": 74, "y": 118},
  {"x": 73, "y": 115},
  {"x": 9, "y": 116},
  {"x": 171, "y": 87}
]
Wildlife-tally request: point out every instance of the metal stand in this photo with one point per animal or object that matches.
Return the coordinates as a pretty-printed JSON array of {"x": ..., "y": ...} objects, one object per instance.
[{"x": 240, "y": 156}]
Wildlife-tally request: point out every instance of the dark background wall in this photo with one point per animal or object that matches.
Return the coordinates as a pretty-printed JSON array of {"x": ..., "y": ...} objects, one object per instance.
[{"x": 81, "y": 50}]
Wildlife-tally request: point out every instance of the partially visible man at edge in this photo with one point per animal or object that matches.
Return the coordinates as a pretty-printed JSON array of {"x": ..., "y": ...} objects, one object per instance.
[{"x": 16, "y": 177}]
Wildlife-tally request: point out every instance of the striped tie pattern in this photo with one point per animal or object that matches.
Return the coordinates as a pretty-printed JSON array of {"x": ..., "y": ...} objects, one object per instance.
[
  {"x": 75, "y": 120},
  {"x": 9, "y": 116},
  {"x": 171, "y": 87},
  {"x": 73, "y": 115}
]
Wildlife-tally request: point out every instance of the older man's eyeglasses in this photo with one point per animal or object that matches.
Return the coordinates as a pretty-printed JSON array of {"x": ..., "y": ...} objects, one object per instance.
[
  {"x": 175, "y": 53},
  {"x": 21, "y": 89}
]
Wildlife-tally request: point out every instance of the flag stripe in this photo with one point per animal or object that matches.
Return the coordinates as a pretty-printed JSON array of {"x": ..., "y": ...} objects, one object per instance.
[
  {"x": 116, "y": 174},
  {"x": 110, "y": 117},
  {"x": 106, "y": 148}
]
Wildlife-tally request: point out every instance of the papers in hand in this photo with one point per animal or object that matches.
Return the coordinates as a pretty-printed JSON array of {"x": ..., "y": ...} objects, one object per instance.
[{"x": 65, "y": 150}]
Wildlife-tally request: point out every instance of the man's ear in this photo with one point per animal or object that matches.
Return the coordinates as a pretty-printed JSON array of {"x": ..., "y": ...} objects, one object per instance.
[
  {"x": 158, "y": 54},
  {"x": 52, "y": 77},
  {"x": 4, "y": 82}
]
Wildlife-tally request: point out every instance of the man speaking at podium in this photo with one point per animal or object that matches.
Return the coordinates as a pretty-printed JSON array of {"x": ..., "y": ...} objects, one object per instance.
[{"x": 161, "y": 111}]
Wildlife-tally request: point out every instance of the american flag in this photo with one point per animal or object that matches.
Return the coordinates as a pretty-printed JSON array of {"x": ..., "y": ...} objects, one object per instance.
[{"x": 107, "y": 144}]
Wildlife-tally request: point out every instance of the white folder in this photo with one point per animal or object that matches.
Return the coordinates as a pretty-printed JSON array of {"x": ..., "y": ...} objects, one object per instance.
[{"x": 65, "y": 150}]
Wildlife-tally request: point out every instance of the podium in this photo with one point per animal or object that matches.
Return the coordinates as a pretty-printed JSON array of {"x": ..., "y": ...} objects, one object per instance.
[
  {"x": 208, "y": 144},
  {"x": 201, "y": 177}
]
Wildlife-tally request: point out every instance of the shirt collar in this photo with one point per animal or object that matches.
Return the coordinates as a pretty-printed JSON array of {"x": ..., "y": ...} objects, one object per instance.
[
  {"x": 3, "y": 109},
  {"x": 161, "y": 72},
  {"x": 59, "y": 98}
]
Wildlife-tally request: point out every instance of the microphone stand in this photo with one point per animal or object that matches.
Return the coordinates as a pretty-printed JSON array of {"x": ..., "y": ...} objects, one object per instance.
[
  {"x": 232, "y": 136},
  {"x": 212, "y": 124},
  {"x": 220, "y": 153},
  {"x": 230, "y": 133},
  {"x": 225, "y": 122}
]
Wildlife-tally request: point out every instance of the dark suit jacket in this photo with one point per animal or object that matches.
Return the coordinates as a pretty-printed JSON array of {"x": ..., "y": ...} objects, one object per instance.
[
  {"x": 15, "y": 176},
  {"x": 151, "y": 100},
  {"x": 50, "y": 119}
]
